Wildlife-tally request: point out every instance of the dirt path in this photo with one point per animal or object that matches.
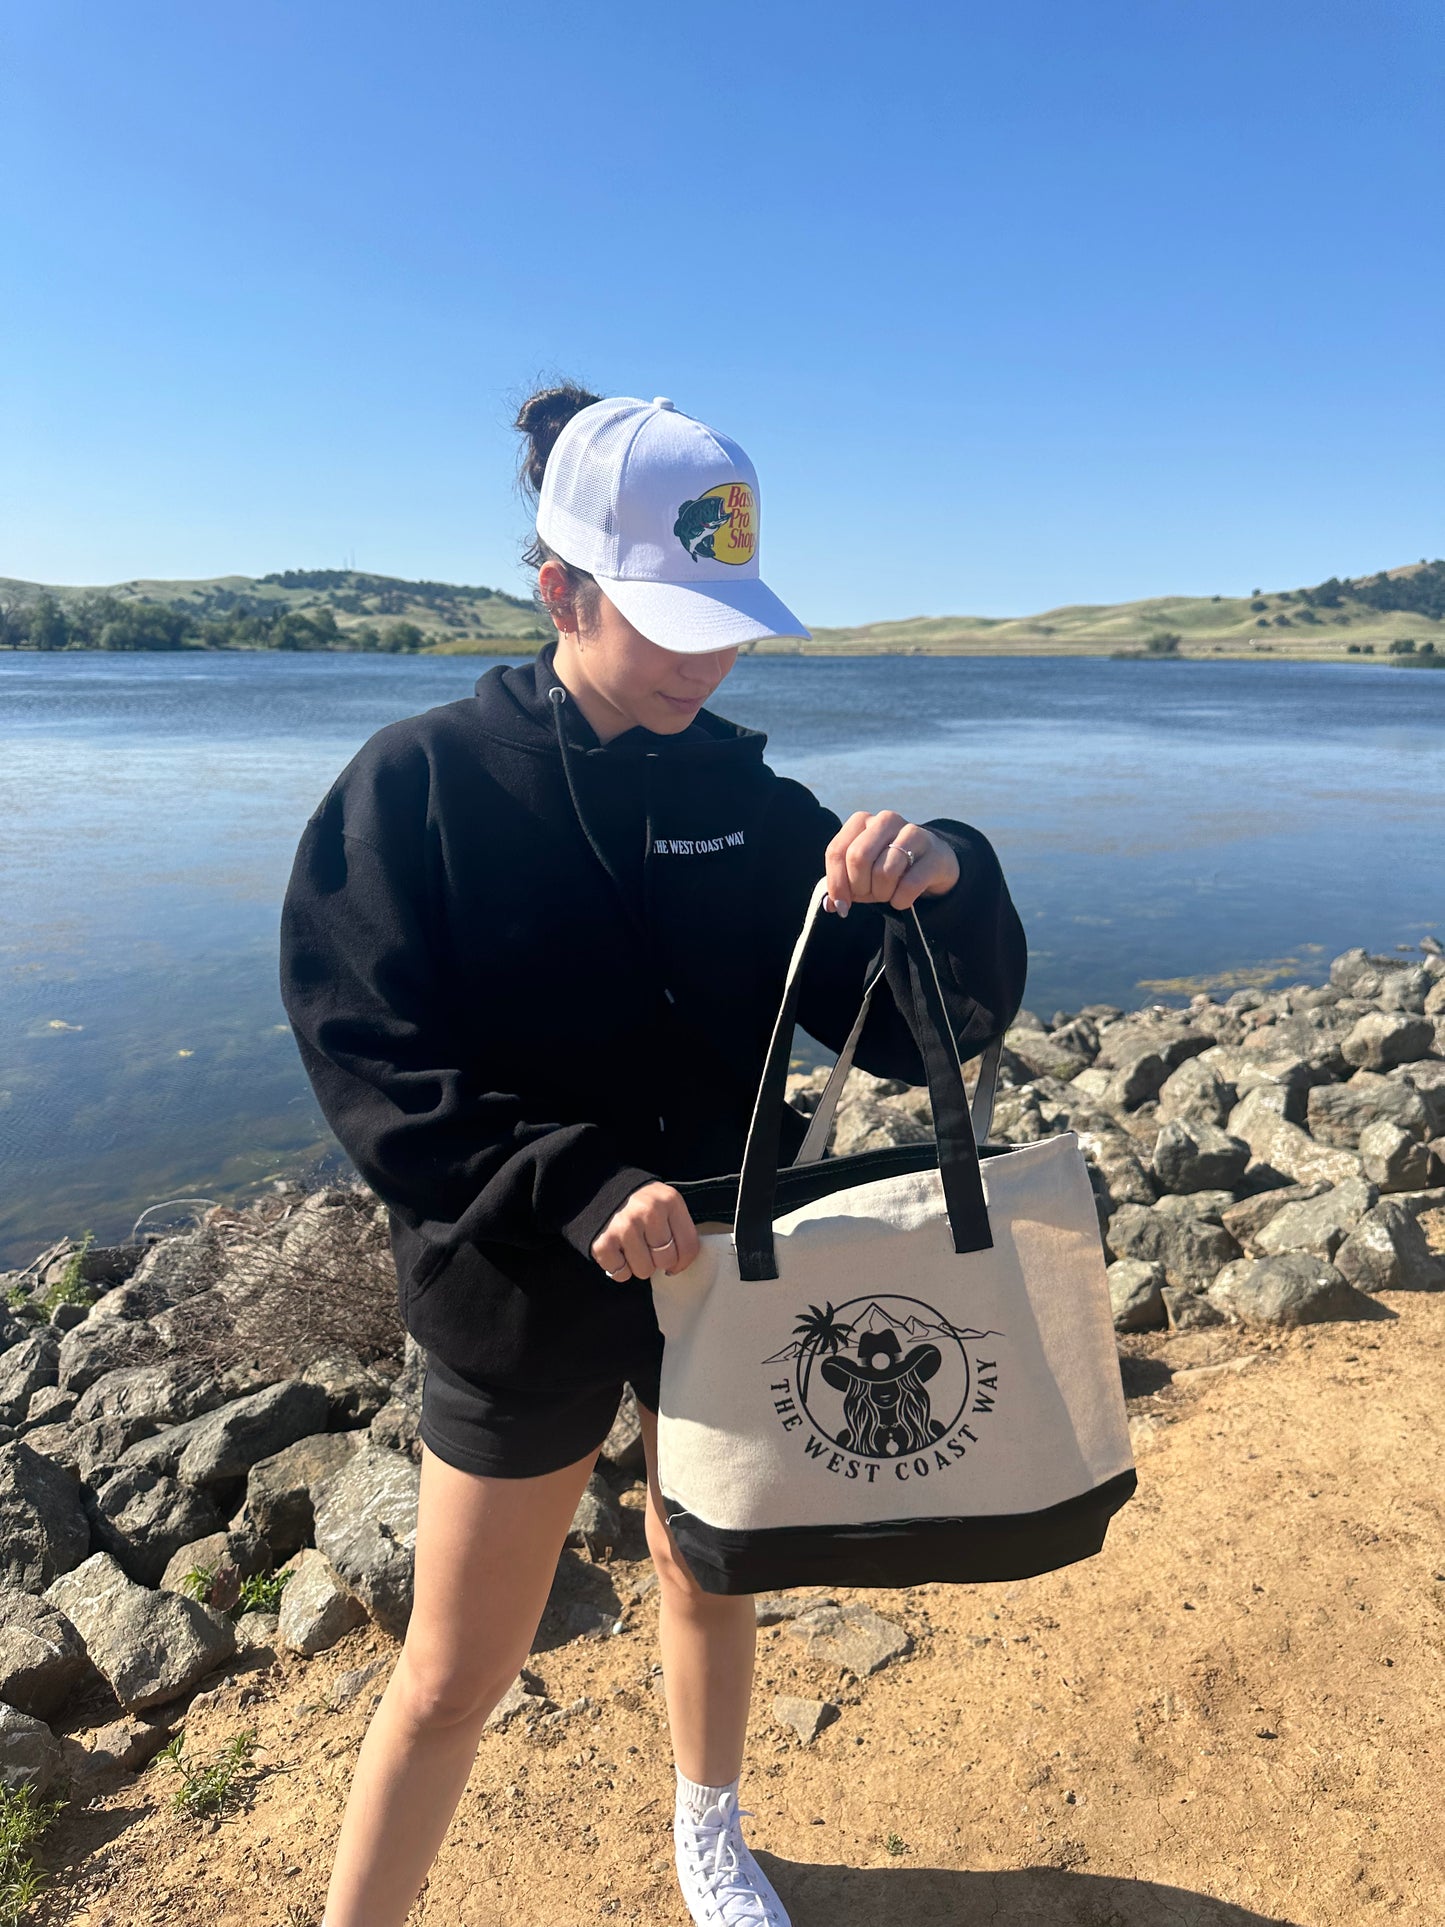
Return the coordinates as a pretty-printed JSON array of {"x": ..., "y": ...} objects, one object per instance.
[{"x": 1233, "y": 1715}]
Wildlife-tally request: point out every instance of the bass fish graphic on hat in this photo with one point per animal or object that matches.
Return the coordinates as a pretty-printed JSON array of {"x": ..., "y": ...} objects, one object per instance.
[{"x": 698, "y": 522}]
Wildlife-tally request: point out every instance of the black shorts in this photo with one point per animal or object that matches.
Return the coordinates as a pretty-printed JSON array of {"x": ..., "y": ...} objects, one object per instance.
[{"x": 509, "y": 1434}]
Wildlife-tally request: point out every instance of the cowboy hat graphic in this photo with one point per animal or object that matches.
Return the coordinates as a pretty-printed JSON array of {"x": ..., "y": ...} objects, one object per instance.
[{"x": 886, "y": 1409}]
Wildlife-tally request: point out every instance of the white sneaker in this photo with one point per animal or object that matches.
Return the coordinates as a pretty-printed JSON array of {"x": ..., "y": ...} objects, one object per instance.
[{"x": 721, "y": 1882}]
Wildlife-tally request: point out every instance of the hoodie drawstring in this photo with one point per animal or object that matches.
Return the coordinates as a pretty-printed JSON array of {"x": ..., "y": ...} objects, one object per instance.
[{"x": 557, "y": 695}]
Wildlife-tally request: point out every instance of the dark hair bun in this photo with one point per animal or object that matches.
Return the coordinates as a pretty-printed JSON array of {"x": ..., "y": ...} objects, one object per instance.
[{"x": 541, "y": 418}]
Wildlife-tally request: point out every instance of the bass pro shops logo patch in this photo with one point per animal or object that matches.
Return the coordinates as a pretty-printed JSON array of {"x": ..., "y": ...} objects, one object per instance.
[
  {"x": 884, "y": 1387},
  {"x": 721, "y": 525}
]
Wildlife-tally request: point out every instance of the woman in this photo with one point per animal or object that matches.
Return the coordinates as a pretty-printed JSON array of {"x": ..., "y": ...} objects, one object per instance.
[{"x": 533, "y": 946}]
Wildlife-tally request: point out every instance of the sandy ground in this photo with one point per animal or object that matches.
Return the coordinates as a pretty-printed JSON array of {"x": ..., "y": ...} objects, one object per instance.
[{"x": 1232, "y": 1715}]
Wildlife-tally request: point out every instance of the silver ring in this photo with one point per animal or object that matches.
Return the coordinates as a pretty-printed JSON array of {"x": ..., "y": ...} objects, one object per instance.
[
  {"x": 663, "y": 1247},
  {"x": 910, "y": 854},
  {"x": 620, "y": 1268}
]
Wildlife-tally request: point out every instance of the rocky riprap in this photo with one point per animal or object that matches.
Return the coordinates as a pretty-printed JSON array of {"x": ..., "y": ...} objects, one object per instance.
[{"x": 177, "y": 1424}]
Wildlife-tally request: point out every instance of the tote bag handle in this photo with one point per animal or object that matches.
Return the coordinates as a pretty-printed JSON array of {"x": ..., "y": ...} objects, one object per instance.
[{"x": 958, "y": 1160}]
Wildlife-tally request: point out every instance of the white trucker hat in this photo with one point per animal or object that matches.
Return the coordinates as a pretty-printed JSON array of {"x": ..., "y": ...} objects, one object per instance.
[{"x": 663, "y": 510}]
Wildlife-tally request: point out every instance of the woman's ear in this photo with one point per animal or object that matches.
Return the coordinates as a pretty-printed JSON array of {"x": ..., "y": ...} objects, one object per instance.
[{"x": 555, "y": 591}]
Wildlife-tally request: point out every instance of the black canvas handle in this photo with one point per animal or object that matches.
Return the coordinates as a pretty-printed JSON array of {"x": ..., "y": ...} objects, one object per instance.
[{"x": 958, "y": 1159}]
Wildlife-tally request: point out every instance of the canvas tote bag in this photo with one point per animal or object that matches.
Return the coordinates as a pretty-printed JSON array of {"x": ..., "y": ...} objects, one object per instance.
[{"x": 897, "y": 1365}]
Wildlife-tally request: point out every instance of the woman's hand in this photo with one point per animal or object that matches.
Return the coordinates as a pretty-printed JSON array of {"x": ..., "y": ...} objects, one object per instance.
[
  {"x": 866, "y": 862},
  {"x": 651, "y": 1230}
]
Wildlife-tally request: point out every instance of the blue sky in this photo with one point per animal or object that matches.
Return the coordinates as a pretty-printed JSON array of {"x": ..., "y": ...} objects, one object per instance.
[{"x": 1011, "y": 305}]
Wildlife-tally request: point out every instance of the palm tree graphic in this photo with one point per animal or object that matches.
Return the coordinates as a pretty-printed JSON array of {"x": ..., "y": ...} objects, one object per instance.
[{"x": 817, "y": 1332}]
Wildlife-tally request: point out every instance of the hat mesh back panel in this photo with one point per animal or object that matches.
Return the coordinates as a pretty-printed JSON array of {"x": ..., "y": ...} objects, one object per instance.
[{"x": 580, "y": 472}]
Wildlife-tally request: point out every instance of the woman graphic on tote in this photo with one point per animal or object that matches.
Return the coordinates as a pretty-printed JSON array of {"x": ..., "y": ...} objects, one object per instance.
[{"x": 532, "y": 950}]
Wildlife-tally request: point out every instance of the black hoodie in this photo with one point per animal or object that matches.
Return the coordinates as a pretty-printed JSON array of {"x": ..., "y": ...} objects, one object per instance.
[{"x": 528, "y": 972}]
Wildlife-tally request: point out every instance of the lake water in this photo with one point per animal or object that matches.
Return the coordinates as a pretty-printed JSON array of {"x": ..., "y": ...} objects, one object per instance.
[{"x": 1163, "y": 826}]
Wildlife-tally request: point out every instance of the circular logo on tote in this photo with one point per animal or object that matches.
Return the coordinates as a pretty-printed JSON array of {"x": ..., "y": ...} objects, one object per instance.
[
  {"x": 881, "y": 1379},
  {"x": 721, "y": 525}
]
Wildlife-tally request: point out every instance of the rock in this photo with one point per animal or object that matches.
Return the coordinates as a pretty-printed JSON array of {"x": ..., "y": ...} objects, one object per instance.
[
  {"x": 1295, "y": 1289},
  {"x": 526, "y": 1695},
  {"x": 355, "y": 1392},
  {"x": 1045, "y": 1056},
  {"x": 106, "y": 1754},
  {"x": 1192, "y": 1155},
  {"x": 1245, "y": 1220},
  {"x": 42, "y": 1656},
  {"x": 162, "y": 1393},
  {"x": 1427, "y": 1079},
  {"x": 622, "y": 1449},
  {"x": 104, "y": 1345},
  {"x": 772, "y": 1608},
  {"x": 1339, "y": 1112},
  {"x": 346, "y": 1686},
  {"x": 366, "y": 1526},
  {"x": 1283, "y": 1146},
  {"x": 230, "y": 1440},
  {"x": 1190, "y": 1310},
  {"x": 394, "y": 1427},
  {"x": 48, "y": 1406},
  {"x": 43, "y": 1528},
  {"x": 279, "y": 1488},
  {"x": 1394, "y": 1159},
  {"x": 257, "y": 1632},
  {"x": 142, "y": 1518},
  {"x": 29, "y": 1752},
  {"x": 1167, "y": 1038},
  {"x": 807, "y": 1718},
  {"x": 150, "y": 1646},
  {"x": 1112, "y": 1155},
  {"x": 1346, "y": 970},
  {"x": 1134, "y": 1291},
  {"x": 161, "y": 1451},
  {"x": 1386, "y": 1038},
  {"x": 1209, "y": 1205},
  {"x": 1197, "y": 1093},
  {"x": 316, "y": 1609},
  {"x": 180, "y": 1266},
  {"x": 241, "y": 1552},
  {"x": 25, "y": 1369},
  {"x": 860, "y": 1641},
  {"x": 597, "y": 1523},
  {"x": 1405, "y": 989},
  {"x": 1320, "y": 1224},
  {"x": 1191, "y": 1250},
  {"x": 1388, "y": 1251},
  {"x": 872, "y": 1124},
  {"x": 1136, "y": 1082}
]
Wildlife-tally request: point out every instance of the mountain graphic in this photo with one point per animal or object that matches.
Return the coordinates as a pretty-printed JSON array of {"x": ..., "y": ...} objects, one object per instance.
[{"x": 876, "y": 1319}]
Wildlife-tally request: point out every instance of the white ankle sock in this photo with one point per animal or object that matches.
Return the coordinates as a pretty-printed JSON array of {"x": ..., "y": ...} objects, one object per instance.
[{"x": 694, "y": 1800}]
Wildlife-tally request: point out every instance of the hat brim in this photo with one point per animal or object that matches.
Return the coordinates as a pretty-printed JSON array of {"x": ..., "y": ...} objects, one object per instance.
[{"x": 694, "y": 618}]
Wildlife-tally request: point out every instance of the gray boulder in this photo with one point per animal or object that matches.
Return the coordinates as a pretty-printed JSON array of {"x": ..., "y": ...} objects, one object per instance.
[
  {"x": 141, "y": 1518},
  {"x": 104, "y": 1345},
  {"x": 807, "y": 1718},
  {"x": 230, "y": 1440},
  {"x": 1189, "y": 1311},
  {"x": 1395, "y": 1160},
  {"x": 42, "y": 1656},
  {"x": 872, "y": 1125},
  {"x": 1427, "y": 1079},
  {"x": 1284, "y": 1147},
  {"x": 161, "y": 1451},
  {"x": 1134, "y": 1292},
  {"x": 366, "y": 1526},
  {"x": 394, "y": 1426},
  {"x": 1197, "y": 1093},
  {"x": 1113, "y": 1157},
  {"x": 1246, "y": 1219},
  {"x": 165, "y": 1392},
  {"x": 1339, "y": 1112},
  {"x": 1136, "y": 1082},
  {"x": 1193, "y": 1155},
  {"x": 279, "y": 1488},
  {"x": 854, "y": 1638},
  {"x": 231, "y": 1555},
  {"x": 29, "y": 1752},
  {"x": 1383, "y": 1039},
  {"x": 355, "y": 1392},
  {"x": 1191, "y": 1250},
  {"x": 1320, "y": 1224},
  {"x": 150, "y": 1646},
  {"x": 316, "y": 1608},
  {"x": 597, "y": 1523},
  {"x": 48, "y": 1406},
  {"x": 43, "y": 1527},
  {"x": 1167, "y": 1038},
  {"x": 25, "y": 1368},
  {"x": 1388, "y": 1251},
  {"x": 1294, "y": 1289},
  {"x": 1210, "y": 1205},
  {"x": 622, "y": 1449}
]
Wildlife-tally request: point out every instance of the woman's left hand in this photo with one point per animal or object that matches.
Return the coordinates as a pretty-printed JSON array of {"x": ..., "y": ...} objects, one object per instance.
[{"x": 867, "y": 862}]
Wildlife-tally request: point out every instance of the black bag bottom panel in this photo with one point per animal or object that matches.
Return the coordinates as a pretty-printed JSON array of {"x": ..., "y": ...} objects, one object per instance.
[{"x": 903, "y": 1552}]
